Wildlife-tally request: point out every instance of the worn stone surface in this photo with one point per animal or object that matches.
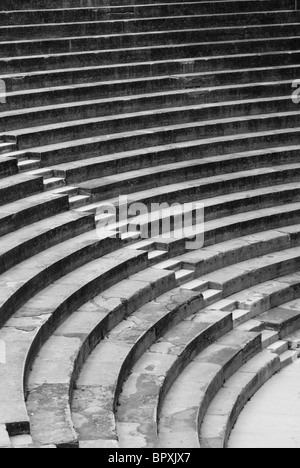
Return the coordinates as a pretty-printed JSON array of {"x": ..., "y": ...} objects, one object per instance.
[{"x": 270, "y": 419}]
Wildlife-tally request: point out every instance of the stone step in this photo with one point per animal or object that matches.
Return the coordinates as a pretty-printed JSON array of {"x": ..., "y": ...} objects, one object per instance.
[
  {"x": 91, "y": 82},
  {"x": 217, "y": 50},
  {"x": 225, "y": 409},
  {"x": 144, "y": 163},
  {"x": 288, "y": 358},
  {"x": 13, "y": 48},
  {"x": 67, "y": 294},
  {"x": 78, "y": 201},
  {"x": 294, "y": 340},
  {"x": 187, "y": 192},
  {"x": 16, "y": 187},
  {"x": 163, "y": 223},
  {"x": 205, "y": 120},
  {"x": 157, "y": 370},
  {"x": 188, "y": 399},
  {"x": 284, "y": 319},
  {"x": 121, "y": 361},
  {"x": 268, "y": 338},
  {"x": 27, "y": 211},
  {"x": 229, "y": 228},
  {"x": 140, "y": 11},
  {"x": 29, "y": 165},
  {"x": 157, "y": 255},
  {"x": 59, "y": 30},
  {"x": 114, "y": 185},
  {"x": 271, "y": 304},
  {"x": 64, "y": 152},
  {"x": 28, "y": 241},
  {"x": 43, "y": 269},
  {"x": 248, "y": 273},
  {"x": 208, "y": 97}
]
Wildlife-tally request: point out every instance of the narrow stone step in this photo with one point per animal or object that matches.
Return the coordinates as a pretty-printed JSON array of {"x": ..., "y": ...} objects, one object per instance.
[
  {"x": 8, "y": 166},
  {"x": 269, "y": 337},
  {"x": 211, "y": 295},
  {"x": 6, "y": 148}
]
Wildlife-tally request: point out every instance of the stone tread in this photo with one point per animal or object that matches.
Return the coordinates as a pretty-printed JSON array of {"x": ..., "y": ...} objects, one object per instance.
[
  {"x": 25, "y": 334},
  {"x": 31, "y": 240},
  {"x": 186, "y": 70},
  {"x": 237, "y": 391},
  {"x": 156, "y": 101},
  {"x": 182, "y": 52},
  {"x": 127, "y": 40},
  {"x": 230, "y": 227},
  {"x": 146, "y": 10},
  {"x": 229, "y": 167}
]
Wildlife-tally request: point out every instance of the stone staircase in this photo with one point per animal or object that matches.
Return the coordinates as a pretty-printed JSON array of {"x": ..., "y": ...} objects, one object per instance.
[{"x": 114, "y": 341}]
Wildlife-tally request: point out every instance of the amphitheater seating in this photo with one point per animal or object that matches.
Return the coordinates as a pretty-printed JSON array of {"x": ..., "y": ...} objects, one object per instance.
[{"x": 113, "y": 340}]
